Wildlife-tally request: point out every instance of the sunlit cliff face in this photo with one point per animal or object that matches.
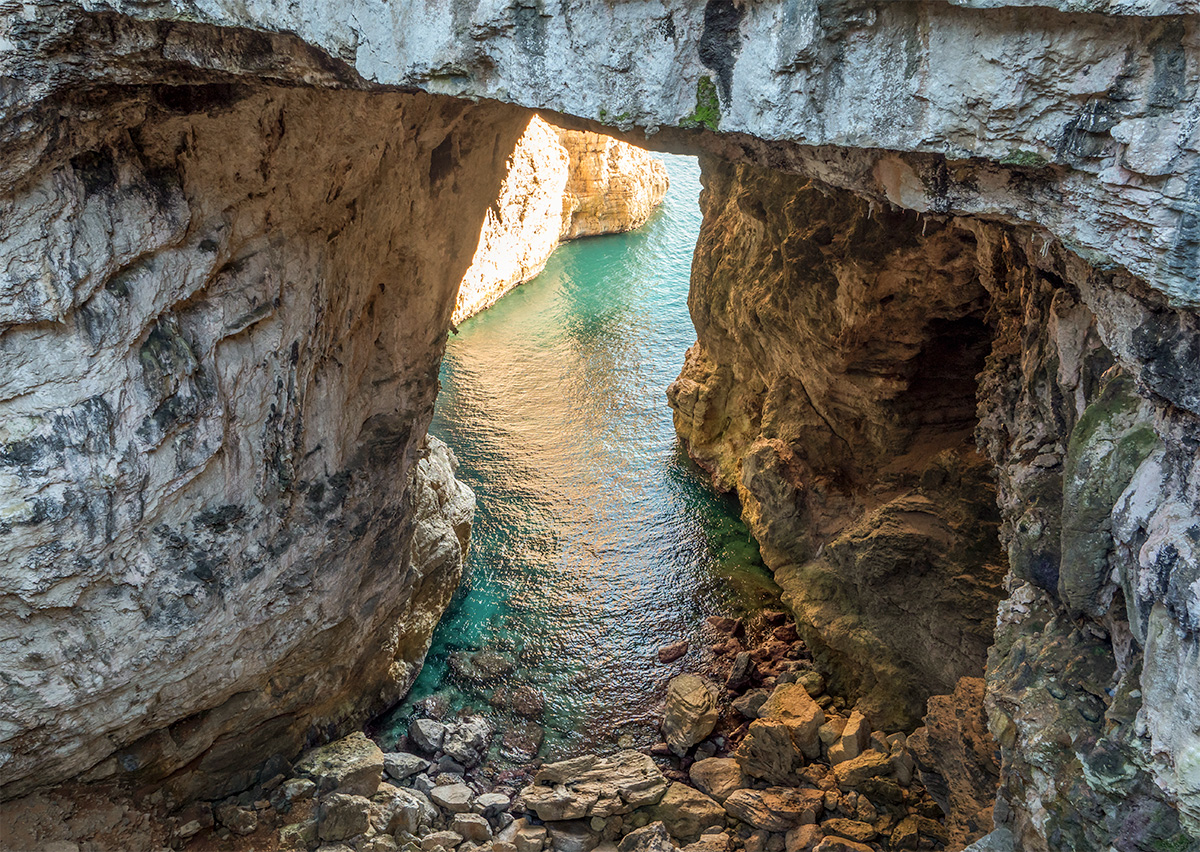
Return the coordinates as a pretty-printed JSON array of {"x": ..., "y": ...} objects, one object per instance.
[{"x": 560, "y": 184}]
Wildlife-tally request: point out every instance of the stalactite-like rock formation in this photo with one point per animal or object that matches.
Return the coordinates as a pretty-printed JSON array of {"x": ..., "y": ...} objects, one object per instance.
[{"x": 561, "y": 184}]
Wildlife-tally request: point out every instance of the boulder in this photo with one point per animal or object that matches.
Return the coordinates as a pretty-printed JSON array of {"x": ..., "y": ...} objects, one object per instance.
[
  {"x": 671, "y": 653},
  {"x": 742, "y": 674},
  {"x": 405, "y": 809},
  {"x": 594, "y": 786},
  {"x": 466, "y": 741},
  {"x": 530, "y": 838},
  {"x": 341, "y": 816},
  {"x": 491, "y": 804},
  {"x": 852, "y": 829},
  {"x": 711, "y": 841},
  {"x": 298, "y": 835},
  {"x": 291, "y": 791},
  {"x": 691, "y": 711},
  {"x": 522, "y": 742},
  {"x": 751, "y": 702},
  {"x": 455, "y": 798},
  {"x": 572, "y": 836},
  {"x": 776, "y": 808},
  {"x": 426, "y": 735},
  {"x": 851, "y": 773},
  {"x": 841, "y": 844},
  {"x": 400, "y": 765},
  {"x": 481, "y": 667},
  {"x": 351, "y": 765},
  {"x": 472, "y": 827},
  {"x": 528, "y": 702},
  {"x": 855, "y": 737},
  {"x": 238, "y": 819},
  {"x": 802, "y": 838},
  {"x": 767, "y": 752},
  {"x": 791, "y": 704},
  {"x": 717, "y": 776},
  {"x": 686, "y": 812},
  {"x": 652, "y": 838},
  {"x": 445, "y": 839}
]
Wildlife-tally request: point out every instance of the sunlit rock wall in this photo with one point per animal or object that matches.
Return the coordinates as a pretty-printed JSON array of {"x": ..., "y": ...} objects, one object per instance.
[
  {"x": 223, "y": 532},
  {"x": 561, "y": 184}
]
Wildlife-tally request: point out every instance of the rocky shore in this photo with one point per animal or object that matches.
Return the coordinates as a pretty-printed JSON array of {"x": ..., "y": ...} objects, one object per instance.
[{"x": 756, "y": 756}]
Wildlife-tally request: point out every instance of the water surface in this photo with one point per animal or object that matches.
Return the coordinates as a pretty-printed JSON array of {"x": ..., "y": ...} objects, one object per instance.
[{"x": 596, "y": 539}]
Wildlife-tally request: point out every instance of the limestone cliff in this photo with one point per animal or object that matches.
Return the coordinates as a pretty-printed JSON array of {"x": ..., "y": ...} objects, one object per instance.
[
  {"x": 560, "y": 184},
  {"x": 158, "y": 202},
  {"x": 223, "y": 531}
]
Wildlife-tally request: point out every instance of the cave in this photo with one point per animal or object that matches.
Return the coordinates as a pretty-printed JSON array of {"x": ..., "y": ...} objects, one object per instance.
[{"x": 945, "y": 357}]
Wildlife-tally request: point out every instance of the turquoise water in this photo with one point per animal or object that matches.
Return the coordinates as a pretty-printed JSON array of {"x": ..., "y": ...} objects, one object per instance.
[{"x": 596, "y": 540}]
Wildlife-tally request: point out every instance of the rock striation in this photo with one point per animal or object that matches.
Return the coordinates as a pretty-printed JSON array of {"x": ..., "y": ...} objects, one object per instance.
[
  {"x": 200, "y": 208},
  {"x": 561, "y": 184},
  {"x": 221, "y": 514}
]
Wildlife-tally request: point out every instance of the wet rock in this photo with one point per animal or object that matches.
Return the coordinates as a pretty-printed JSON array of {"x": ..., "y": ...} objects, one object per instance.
[
  {"x": 674, "y": 651},
  {"x": 426, "y": 735},
  {"x": 238, "y": 819},
  {"x": 522, "y": 742},
  {"x": 481, "y": 667},
  {"x": 651, "y": 838},
  {"x": 400, "y": 765},
  {"x": 472, "y": 827},
  {"x": 466, "y": 741},
  {"x": 723, "y": 624},
  {"x": 717, "y": 776},
  {"x": 341, "y": 816},
  {"x": 776, "y": 808},
  {"x": 691, "y": 711},
  {"x": 852, "y": 773},
  {"x": 352, "y": 765},
  {"x": 751, "y": 702},
  {"x": 528, "y": 702},
  {"x": 455, "y": 798},
  {"x": 594, "y": 786},
  {"x": 742, "y": 674},
  {"x": 687, "y": 812}
]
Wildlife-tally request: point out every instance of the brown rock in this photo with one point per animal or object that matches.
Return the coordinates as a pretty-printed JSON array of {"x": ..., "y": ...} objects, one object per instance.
[
  {"x": 671, "y": 653},
  {"x": 686, "y": 812},
  {"x": 691, "y": 711},
  {"x": 351, "y": 765},
  {"x": 869, "y": 764},
  {"x": 803, "y": 838},
  {"x": 853, "y": 829},
  {"x": 791, "y": 704},
  {"x": 841, "y": 844},
  {"x": 776, "y": 808},
  {"x": 957, "y": 760},
  {"x": 718, "y": 777}
]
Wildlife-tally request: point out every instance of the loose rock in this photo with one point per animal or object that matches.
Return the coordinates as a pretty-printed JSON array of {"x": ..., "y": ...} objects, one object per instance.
[
  {"x": 691, "y": 712},
  {"x": 341, "y": 816},
  {"x": 351, "y": 765},
  {"x": 776, "y": 808}
]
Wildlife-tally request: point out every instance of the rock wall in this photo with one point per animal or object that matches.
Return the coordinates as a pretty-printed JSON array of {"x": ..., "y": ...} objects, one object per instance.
[
  {"x": 224, "y": 532},
  {"x": 561, "y": 184},
  {"x": 1067, "y": 138},
  {"x": 841, "y": 352}
]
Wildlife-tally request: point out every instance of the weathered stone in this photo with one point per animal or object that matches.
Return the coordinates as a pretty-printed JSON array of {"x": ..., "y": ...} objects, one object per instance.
[
  {"x": 691, "y": 712},
  {"x": 855, "y": 737},
  {"x": 352, "y": 765},
  {"x": 651, "y": 838},
  {"x": 406, "y": 810},
  {"x": 466, "y": 741},
  {"x": 717, "y": 776},
  {"x": 674, "y": 651},
  {"x": 530, "y": 838},
  {"x": 776, "y": 808},
  {"x": 851, "y": 773},
  {"x": 594, "y": 786},
  {"x": 572, "y": 836},
  {"x": 802, "y": 838},
  {"x": 841, "y": 844},
  {"x": 767, "y": 752},
  {"x": 399, "y": 765},
  {"x": 341, "y": 816},
  {"x": 291, "y": 791},
  {"x": 236, "y": 818},
  {"x": 472, "y": 827},
  {"x": 791, "y": 704},
  {"x": 490, "y": 804},
  {"x": 711, "y": 841},
  {"x": 742, "y": 673},
  {"x": 853, "y": 829},
  {"x": 445, "y": 839},
  {"x": 455, "y": 798},
  {"x": 686, "y": 812},
  {"x": 751, "y": 702},
  {"x": 298, "y": 835},
  {"x": 426, "y": 735}
]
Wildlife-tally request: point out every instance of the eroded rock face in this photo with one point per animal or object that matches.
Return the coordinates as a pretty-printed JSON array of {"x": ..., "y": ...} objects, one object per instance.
[
  {"x": 561, "y": 184},
  {"x": 832, "y": 386},
  {"x": 843, "y": 414},
  {"x": 224, "y": 531}
]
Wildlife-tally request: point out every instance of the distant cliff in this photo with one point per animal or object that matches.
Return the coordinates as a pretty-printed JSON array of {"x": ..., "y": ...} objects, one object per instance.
[{"x": 561, "y": 184}]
